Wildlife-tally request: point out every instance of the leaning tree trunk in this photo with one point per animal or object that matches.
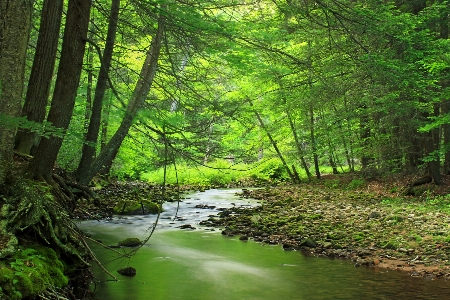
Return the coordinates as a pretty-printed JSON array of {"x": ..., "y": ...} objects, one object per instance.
[
  {"x": 140, "y": 93},
  {"x": 69, "y": 71},
  {"x": 15, "y": 24},
  {"x": 89, "y": 147},
  {"x": 313, "y": 141},
  {"x": 41, "y": 72},
  {"x": 297, "y": 145},
  {"x": 274, "y": 145}
]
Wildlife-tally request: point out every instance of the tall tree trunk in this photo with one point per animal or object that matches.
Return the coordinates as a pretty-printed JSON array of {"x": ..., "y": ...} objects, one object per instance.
[
  {"x": 90, "y": 79},
  {"x": 446, "y": 136},
  {"x": 208, "y": 150},
  {"x": 105, "y": 124},
  {"x": 89, "y": 147},
  {"x": 67, "y": 81},
  {"x": 432, "y": 143},
  {"x": 313, "y": 141},
  {"x": 445, "y": 108},
  {"x": 298, "y": 145},
  {"x": 41, "y": 72},
  {"x": 15, "y": 25},
  {"x": 367, "y": 160},
  {"x": 274, "y": 144},
  {"x": 140, "y": 93},
  {"x": 349, "y": 151}
]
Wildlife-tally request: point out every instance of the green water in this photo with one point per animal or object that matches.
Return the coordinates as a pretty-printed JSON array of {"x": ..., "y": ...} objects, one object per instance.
[
  {"x": 199, "y": 265},
  {"x": 203, "y": 264}
]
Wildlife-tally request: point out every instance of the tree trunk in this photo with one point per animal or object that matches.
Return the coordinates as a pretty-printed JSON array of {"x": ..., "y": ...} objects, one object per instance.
[
  {"x": 298, "y": 144},
  {"x": 313, "y": 142},
  {"x": 15, "y": 25},
  {"x": 140, "y": 93},
  {"x": 41, "y": 72},
  {"x": 274, "y": 144},
  {"x": 105, "y": 123},
  {"x": 67, "y": 81},
  {"x": 208, "y": 150},
  {"x": 367, "y": 160},
  {"x": 348, "y": 151},
  {"x": 89, "y": 147},
  {"x": 446, "y": 136},
  {"x": 432, "y": 143},
  {"x": 445, "y": 105},
  {"x": 90, "y": 79}
]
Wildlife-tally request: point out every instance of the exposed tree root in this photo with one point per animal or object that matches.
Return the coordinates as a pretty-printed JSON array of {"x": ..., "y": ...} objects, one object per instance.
[{"x": 31, "y": 209}]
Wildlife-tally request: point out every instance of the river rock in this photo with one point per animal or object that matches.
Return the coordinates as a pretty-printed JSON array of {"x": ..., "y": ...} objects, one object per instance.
[
  {"x": 327, "y": 245},
  {"x": 130, "y": 242},
  {"x": 309, "y": 242},
  {"x": 127, "y": 271}
]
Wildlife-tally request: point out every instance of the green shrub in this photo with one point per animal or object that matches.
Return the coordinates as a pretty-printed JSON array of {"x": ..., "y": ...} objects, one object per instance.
[{"x": 355, "y": 183}]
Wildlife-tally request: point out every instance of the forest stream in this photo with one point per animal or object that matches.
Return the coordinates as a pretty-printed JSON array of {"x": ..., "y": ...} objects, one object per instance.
[{"x": 203, "y": 264}]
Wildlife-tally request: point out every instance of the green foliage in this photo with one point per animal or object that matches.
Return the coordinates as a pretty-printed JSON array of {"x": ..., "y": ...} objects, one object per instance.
[
  {"x": 31, "y": 271},
  {"x": 220, "y": 173},
  {"x": 44, "y": 129},
  {"x": 355, "y": 184},
  {"x": 332, "y": 183}
]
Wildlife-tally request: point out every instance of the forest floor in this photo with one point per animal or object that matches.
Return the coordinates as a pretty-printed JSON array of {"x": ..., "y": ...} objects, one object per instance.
[{"x": 371, "y": 223}]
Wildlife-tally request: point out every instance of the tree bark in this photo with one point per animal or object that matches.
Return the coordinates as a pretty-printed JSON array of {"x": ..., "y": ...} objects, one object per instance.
[
  {"x": 89, "y": 147},
  {"x": 274, "y": 144},
  {"x": 15, "y": 25},
  {"x": 445, "y": 105},
  {"x": 297, "y": 145},
  {"x": 432, "y": 142},
  {"x": 313, "y": 141},
  {"x": 140, "y": 93},
  {"x": 66, "y": 86},
  {"x": 41, "y": 72}
]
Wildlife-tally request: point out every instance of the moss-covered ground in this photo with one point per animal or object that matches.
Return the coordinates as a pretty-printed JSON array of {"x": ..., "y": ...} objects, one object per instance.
[{"x": 31, "y": 271}]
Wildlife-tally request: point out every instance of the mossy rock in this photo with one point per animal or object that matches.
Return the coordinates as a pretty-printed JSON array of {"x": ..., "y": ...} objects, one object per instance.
[
  {"x": 309, "y": 242},
  {"x": 134, "y": 207},
  {"x": 127, "y": 271},
  {"x": 29, "y": 272},
  {"x": 130, "y": 242}
]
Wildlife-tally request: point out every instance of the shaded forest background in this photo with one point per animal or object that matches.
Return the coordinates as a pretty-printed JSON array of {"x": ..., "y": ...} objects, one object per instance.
[{"x": 288, "y": 89}]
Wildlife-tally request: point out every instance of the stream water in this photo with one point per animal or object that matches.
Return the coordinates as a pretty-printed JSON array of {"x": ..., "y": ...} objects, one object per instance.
[{"x": 203, "y": 264}]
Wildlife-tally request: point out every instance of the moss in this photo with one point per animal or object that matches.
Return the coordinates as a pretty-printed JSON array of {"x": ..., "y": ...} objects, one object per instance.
[
  {"x": 358, "y": 236},
  {"x": 30, "y": 271},
  {"x": 394, "y": 219},
  {"x": 447, "y": 239},
  {"x": 132, "y": 207},
  {"x": 130, "y": 242}
]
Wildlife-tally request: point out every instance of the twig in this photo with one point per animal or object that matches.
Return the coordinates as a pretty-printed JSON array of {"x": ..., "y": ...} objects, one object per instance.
[{"x": 96, "y": 260}]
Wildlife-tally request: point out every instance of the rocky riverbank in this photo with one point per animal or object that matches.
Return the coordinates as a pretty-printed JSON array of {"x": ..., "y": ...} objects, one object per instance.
[
  {"x": 370, "y": 228},
  {"x": 369, "y": 223}
]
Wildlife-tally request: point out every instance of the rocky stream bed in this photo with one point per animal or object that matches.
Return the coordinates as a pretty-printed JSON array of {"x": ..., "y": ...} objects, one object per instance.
[{"x": 369, "y": 228}]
